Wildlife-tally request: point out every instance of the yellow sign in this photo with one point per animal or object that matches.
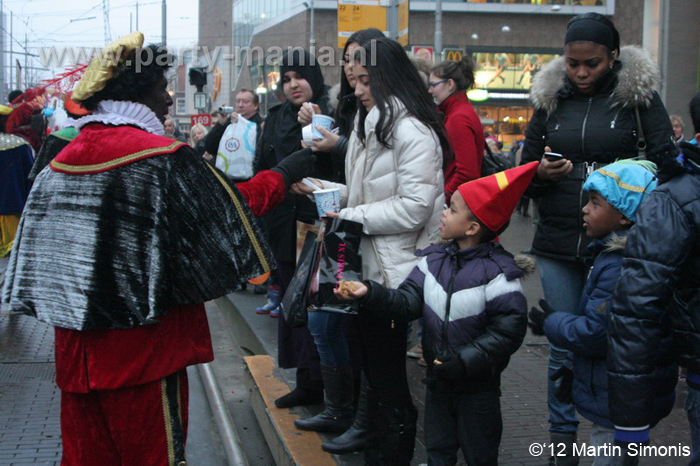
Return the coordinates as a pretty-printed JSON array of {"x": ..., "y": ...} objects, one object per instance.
[
  {"x": 452, "y": 54},
  {"x": 354, "y": 15}
]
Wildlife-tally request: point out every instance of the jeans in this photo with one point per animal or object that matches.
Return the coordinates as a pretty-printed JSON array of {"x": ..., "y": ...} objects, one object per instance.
[
  {"x": 600, "y": 436},
  {"x": 562, "y": 283},
  {"x": 470, "y": 421},
  {"x": 692, "y": 407},
  {"x": 327, "y": 330}
]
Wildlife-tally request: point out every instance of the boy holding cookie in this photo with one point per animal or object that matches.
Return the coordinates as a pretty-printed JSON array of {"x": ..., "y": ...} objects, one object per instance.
[{"x": 468, "y": 292}]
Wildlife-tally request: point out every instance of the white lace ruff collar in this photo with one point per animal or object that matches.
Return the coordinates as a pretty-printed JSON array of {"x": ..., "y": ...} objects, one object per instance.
[{"x": 119, "y": 113}]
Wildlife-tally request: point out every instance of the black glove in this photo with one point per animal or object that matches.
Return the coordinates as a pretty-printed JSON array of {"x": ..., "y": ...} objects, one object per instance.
[
  {"x": 564, "y": 392},
  {"x": 536, "y": 317},
  {"x": 296, "y": 166},
  {"x": 451, "y": 368}
]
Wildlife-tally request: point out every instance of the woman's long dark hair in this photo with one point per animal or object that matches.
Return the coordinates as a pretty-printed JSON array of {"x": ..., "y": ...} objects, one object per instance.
[
  {"x": 347, "y": 102},
  {"x": 391, "y": 74}
]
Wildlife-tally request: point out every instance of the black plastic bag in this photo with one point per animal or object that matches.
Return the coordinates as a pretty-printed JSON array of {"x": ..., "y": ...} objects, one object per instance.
[
  {"x": 295, "y": 301},
  {"x": 340, "y": 259}
]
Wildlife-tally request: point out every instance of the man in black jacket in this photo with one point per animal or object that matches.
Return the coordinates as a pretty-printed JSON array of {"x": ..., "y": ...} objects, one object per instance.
[{"x": 655, "y": 319}]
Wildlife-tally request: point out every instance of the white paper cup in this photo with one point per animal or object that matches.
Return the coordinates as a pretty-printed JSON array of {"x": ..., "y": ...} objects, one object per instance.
[
  {"x": 327, "y": 200},
  {"x": 322, "y": 121},
  {"x": 307, "y": 135}
]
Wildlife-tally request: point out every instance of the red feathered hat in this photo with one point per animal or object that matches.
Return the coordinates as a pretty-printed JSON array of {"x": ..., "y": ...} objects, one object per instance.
[{"x": 492, "y": 199}]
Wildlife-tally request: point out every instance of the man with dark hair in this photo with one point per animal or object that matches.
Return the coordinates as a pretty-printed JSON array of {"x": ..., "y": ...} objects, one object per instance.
[
  {"x": 657, "y": 300},
  {"x": 129, "y": 248}
]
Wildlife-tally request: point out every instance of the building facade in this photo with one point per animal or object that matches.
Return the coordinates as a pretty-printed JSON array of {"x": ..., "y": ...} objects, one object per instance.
[{"x": 509, "y": 41}]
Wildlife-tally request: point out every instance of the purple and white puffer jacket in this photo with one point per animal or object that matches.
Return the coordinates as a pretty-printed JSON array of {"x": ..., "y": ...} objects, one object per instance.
[{"x": 472, "y": 304}]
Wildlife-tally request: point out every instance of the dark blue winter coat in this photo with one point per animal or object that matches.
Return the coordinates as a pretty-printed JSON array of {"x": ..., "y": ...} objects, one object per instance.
[
  {"x": 585, "y": 332},
  {"x": 657, "y": 302},
  {"x": 472, "y": 305}
]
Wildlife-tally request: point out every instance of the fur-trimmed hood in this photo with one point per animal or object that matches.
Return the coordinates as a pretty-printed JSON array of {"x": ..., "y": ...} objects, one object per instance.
[
  {"x": 615, "y": 242},
  {"x": 637, "y": 79}
]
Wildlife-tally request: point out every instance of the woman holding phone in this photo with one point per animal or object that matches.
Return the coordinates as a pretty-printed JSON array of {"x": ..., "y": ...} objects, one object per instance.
[
  {"x": 394, "y": 187},
  {"x": 591, "y": 106}
]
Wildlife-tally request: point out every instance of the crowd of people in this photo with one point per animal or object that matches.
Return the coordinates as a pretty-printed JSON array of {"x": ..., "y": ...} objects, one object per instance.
[{"x": 136, "y": 248}]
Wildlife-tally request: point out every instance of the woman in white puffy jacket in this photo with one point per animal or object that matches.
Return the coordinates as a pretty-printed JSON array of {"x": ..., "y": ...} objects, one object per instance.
[{"x": 394, "y": 175}]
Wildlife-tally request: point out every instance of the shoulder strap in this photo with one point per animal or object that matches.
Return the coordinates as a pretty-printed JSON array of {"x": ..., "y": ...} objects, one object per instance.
[{"x": 641, "y": 142}]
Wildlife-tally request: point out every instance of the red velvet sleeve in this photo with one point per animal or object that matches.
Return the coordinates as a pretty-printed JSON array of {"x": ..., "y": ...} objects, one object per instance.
[
  {"x": 467, "y": 158},
  {"x": 264, "y": 191}
]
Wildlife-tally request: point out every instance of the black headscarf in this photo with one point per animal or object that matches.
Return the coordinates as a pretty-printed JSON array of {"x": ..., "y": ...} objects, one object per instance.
[
  {"x": 287, "y": 134},
  {"x": 593, "y": 27}
]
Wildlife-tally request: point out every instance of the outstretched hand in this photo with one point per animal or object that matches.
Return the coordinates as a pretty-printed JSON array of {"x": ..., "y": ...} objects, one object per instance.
[{"x": 350, "y": 291}]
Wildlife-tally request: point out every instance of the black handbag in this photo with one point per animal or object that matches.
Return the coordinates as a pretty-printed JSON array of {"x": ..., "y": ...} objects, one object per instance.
[
  {"x": 295, "y": 301},
  {"x": 493, "y": 163},
  {"x": 340, "y": 259}
]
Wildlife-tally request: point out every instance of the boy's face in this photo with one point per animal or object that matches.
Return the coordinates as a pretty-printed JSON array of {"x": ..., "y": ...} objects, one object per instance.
[
  {"x": 456, "y": 219},
  {"x": 600, "y": 218}
]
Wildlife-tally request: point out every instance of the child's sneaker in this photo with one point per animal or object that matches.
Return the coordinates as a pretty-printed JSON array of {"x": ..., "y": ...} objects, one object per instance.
[
  {"x": 273, "y": 300},
  {"x": 275, "y": 312}
]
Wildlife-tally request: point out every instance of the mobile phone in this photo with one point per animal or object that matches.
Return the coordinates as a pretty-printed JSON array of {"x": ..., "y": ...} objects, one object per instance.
[{"x": 553, "y": 156}]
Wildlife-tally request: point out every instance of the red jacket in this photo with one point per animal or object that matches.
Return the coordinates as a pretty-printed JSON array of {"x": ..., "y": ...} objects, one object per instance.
[{"x": 466, "y": 137}]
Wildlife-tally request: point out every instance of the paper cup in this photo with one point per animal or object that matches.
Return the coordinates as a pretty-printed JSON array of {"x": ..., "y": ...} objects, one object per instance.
[
  {"x": 327, "y": 200},
  {"x": 307, "y": 135},
  {"x": 322, "y": 121}
]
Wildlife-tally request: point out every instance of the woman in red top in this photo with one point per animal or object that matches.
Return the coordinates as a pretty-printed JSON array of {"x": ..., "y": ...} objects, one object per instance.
[{"x": 449, "y": 82}]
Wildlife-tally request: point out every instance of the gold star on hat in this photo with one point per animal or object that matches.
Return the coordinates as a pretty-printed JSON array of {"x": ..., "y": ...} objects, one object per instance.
[{"x": 101, "y": 68}]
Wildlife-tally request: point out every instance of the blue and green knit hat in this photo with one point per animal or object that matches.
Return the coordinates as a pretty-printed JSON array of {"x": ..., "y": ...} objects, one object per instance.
[{"x": 624, "y": 184}]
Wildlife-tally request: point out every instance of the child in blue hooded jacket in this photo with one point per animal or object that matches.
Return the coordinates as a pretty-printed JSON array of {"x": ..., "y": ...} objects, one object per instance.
[{"x": 615, "y": 193}]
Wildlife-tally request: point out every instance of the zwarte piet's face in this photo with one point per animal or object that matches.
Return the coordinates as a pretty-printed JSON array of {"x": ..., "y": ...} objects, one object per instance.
[{"x": 159, "y": 100}]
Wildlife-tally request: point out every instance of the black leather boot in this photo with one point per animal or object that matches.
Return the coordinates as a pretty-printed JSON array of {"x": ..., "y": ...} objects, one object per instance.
[
  {"x": 355, "y": 438},
  {"x": 337, "y": 417}
]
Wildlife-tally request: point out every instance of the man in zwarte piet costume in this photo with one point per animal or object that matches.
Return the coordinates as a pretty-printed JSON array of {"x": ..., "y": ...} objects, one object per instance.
[{"x": 118, "y": 248}]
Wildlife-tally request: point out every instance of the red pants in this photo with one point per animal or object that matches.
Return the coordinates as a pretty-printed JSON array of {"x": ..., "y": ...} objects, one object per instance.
[{"x": 140, "y": 425}]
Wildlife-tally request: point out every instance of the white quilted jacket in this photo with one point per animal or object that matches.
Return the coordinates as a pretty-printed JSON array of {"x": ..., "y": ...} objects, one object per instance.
[{"x": 397, "y": 194}]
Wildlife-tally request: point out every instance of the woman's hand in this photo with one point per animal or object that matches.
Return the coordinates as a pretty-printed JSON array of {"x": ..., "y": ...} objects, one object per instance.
[
  {"x": 302, "y": 188},
  {"x": 553, "y": 170},
  {"x": 327, "y": 143},
  {"x": 350, "y": 291},
  {"x": 207, "y": 156},
  {"x": 331, "y": 214},
  {"x": 306, "y": 112}
]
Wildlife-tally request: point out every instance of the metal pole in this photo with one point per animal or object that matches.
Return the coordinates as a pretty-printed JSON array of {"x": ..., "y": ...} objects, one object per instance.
[
  {"x": 392, "y": 19},
  {"x": 233, "y": 448},
  {"x": 137, "y": 16},
  {"x": 164, "y": 24},
  {"x": 437, "y": 53},
  {"x": 312, "y": 31},
  {"x": 2, "y": 51}
]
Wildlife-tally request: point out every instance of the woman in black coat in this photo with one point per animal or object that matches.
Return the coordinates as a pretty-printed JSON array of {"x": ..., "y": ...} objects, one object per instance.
[
  {"x": 302, "y": 81},
  {"x": 591, "y": 106}
]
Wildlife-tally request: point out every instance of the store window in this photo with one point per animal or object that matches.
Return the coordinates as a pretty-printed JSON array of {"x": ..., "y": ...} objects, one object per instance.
[
  {"x": 506, "y": 122},
  {"x": 508, "y": 70}
]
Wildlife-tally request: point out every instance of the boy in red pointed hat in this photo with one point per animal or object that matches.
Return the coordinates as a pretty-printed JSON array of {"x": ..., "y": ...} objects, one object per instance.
[{"x": 475, "y": 316}]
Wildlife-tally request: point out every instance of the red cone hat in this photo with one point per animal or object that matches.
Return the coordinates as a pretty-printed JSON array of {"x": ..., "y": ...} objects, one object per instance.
[{"x": 492, "y": 199}]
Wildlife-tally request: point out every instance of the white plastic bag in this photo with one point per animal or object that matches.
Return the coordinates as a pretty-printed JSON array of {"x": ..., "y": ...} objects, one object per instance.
[{"x": 237, "y": 149}]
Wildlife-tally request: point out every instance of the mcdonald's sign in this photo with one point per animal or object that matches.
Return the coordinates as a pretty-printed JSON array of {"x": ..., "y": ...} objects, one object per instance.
[{"x": 452, "y": 54}]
